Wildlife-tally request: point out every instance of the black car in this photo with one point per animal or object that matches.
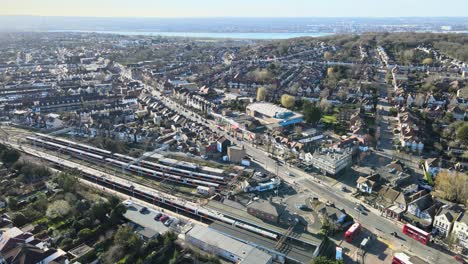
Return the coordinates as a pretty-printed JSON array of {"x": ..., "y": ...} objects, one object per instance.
[
  {"x": 157, "y": 216},
  {"x": 143, "y": 210}
]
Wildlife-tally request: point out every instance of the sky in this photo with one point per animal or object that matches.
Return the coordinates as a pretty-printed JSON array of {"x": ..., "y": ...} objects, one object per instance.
[{"x": 236, "y": 8}]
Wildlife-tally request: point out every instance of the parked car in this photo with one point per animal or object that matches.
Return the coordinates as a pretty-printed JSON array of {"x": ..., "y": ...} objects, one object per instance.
[
  {"x": 168, "y": 222},
  {"x": 163, "y": 218},
  {"x": 158, "y": 216},
  {"x": 175, "y": 221},
  {"x": 143, "y": 210},
  {"x": 459, "y": 259}
]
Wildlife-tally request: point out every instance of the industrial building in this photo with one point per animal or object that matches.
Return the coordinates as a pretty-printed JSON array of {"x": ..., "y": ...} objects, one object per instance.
[
  {"x": 225, "y": 247},
  {"x": 273, "y": 115}
]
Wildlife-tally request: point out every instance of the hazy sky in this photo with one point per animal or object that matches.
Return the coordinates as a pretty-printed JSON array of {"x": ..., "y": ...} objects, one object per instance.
[{"x": 235, "y": 8}]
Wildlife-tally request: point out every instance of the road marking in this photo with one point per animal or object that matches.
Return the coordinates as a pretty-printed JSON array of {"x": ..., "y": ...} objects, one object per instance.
[{"x": 389, "y": 245}]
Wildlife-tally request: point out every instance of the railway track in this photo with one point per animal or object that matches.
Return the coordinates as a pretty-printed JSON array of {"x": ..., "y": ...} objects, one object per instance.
[{"x": 162, "y": 172}]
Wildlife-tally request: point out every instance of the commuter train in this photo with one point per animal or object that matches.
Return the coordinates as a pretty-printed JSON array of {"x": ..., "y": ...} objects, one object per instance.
[{"x": 160, "y": 172}]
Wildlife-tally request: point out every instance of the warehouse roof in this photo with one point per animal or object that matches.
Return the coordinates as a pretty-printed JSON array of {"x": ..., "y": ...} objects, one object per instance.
[{"x": 247, "y": 253}]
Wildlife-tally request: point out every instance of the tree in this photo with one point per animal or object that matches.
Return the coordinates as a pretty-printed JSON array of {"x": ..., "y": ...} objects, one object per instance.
[
  {"x": 58, "y": 209},
  {"x": 330, "y": 71},
  {"x": 261, "y": 94},
  {"x": 325, "y": 105},
  {"x": 13, "y": 203},
  {"x": 19, "y": 219},
  {"x": 462, "y": 134},
  {"x": 85, "y": 233},
  {"x": 427, "y": 61},
  {"x": 393, "y": 111},
  {"x": 312, "y": 114},
  {"x": 10, "y": 156},
  {"x": 451, "y": 186},
  {"x": 67, "y": 182},
  {"x": 99, "y": 210},
  {"x": 287, "y": 101},
  {"x": 327, "y": 55},
  {"x": 127, "y": 239},
  {"x": 117, "y": 214},
  {"x": 325, "y": 260}
]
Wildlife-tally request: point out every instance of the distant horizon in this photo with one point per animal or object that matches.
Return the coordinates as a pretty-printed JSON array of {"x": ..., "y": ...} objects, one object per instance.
[
  {"x": 229, "y": 24},
  {"x": 238, "y": 8},
  {"x": 249, "y": 17}
]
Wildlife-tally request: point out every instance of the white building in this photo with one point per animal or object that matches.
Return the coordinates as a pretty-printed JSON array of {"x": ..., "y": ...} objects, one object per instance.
[
  {"x": 443, "y": 222},
  {"x": 225, "y": 247},
  {"x": 460, "y": 229},
  {"x": 329, "y": 161}
]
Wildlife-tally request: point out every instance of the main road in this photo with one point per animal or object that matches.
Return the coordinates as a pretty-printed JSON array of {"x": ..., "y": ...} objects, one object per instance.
[{"x": 325, "y": 189}]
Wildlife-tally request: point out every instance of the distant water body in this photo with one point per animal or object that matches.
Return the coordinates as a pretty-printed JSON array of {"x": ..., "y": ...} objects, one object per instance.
[{"x": 214, "y": 35}]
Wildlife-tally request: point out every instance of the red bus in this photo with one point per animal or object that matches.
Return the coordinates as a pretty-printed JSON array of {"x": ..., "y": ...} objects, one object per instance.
[
  {"x": 416, "y": 233},
  {"x": 352, "y": 232},
  {"x": 402, "y": 258}
]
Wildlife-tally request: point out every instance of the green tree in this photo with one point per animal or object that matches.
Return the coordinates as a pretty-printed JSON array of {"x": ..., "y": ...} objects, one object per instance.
[
  {"x": 327, "y": 55},
  {"x": 99, "y": 210},
  {"x": 312, "y": 114},
  {"x": 462, "y": 133},
  {"x": 261, "y": 94},
  {"x": 126, "y": 238},
  {"x": 287, "y": 101},
  {"x": 325, "y": 260},
  {"x": 67, "y": 182},
  {"x": 85, "y": 233},
  {"x": 175, "y": 257},
  {"x": 10, "y": 156},
  {"x": 12, "y": 203},
  {"x": 19, "y": 219},
  {"x": 117, "y": 213}
]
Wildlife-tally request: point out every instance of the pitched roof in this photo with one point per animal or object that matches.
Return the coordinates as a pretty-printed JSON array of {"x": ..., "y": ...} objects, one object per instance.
[
  {"x": 267, "y": 207},
  {"x": 26, "y": 254},
  {"x": 423, "y": 202},
  {"x": 370, "y": 180}
]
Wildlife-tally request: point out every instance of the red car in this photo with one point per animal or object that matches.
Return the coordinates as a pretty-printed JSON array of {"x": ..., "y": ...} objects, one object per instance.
[
  {"x": 459, "y": 258},
  {"x": 163, "y": 218}
]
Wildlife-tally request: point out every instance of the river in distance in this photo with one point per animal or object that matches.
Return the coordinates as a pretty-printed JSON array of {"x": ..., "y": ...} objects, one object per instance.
[{"x": 214, "y": 35}]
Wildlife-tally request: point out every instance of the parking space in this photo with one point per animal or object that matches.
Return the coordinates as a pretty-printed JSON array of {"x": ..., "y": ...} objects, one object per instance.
[{"x": 148, "y": 218}]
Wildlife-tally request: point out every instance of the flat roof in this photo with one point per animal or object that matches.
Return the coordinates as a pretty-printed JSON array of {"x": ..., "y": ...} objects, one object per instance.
[
  {"x": 233, "y": 246},
  {"x": 268, "y": 109},
  {"x": 299, "y": 253},
  {"x": 256, "y": 256},
  {"x": 271, "y": 112}
]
